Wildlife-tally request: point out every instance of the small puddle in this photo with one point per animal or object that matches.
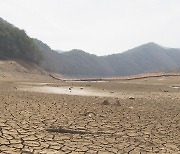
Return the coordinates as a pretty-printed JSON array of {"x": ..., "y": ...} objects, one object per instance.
[{"x": 66, "y": 90}]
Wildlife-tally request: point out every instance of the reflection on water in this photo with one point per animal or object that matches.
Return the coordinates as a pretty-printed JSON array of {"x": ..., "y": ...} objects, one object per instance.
[{"x": 65, "y": 90}]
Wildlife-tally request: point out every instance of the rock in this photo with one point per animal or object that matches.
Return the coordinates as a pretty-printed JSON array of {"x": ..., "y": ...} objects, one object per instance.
[
  {"x": 90, "y": 114},
  {"x": 70, "y": 88},
  {"x": 165, "y": 91},
  {"x": 131, "y": 107},
  {"x": 132, "y": 98},
  {"x": 117, "y": 103},
  {"x": 106, "y": 102}
]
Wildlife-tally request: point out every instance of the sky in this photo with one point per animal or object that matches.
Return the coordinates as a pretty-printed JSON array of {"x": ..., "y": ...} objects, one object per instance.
[{"x": 99, "y": 27}]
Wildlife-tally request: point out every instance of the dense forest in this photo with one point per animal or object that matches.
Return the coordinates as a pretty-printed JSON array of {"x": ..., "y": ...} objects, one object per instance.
[{"x": 15, "y": 44}]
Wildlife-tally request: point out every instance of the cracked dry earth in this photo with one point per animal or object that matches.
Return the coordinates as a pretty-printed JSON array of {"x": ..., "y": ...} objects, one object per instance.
[{"x": 37, "y": 123}]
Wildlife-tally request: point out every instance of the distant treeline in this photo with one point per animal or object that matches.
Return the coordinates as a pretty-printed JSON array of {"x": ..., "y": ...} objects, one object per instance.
[{"x": 15, "y": 44}]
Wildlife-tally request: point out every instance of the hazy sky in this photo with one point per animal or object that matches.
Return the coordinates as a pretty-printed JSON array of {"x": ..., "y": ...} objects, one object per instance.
[{"x": 100, "y": 27}]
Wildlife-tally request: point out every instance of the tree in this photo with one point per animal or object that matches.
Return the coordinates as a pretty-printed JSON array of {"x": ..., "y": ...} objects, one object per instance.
[{"x": 16, "y": 44}]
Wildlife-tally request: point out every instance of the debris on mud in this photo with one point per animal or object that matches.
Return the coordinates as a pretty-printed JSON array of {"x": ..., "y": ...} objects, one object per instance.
[
  {"x": 132, "y": 98},
  {"x": 69, "y": 131}
]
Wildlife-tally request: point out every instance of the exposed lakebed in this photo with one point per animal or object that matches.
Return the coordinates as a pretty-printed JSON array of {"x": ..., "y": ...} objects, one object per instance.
[
  {"x": 82, "y": 91},
  {"x": 51, "y": 88}
]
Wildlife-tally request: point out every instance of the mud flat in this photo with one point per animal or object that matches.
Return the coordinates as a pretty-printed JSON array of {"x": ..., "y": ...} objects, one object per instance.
[{"x": 137, "y": 116}]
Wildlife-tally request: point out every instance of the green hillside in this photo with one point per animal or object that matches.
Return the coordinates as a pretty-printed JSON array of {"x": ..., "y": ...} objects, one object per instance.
[{"x": 15, "y": 44}]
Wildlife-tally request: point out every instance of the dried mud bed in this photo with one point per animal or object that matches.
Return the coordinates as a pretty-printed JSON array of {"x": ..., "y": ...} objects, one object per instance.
[{"x": 37, "y": 123}]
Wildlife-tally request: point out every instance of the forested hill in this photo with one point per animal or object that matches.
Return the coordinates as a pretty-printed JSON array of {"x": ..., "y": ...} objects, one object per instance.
[
  {"x": 75, "y": 63},
  {"x": 15, "y": 44},
  {"x": 149, "y": 57}
]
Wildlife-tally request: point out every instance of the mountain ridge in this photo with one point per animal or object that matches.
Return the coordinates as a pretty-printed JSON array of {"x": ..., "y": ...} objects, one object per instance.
[
  {"x": 15, "y": 44},
  {"x": 142, "y": 59}
]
